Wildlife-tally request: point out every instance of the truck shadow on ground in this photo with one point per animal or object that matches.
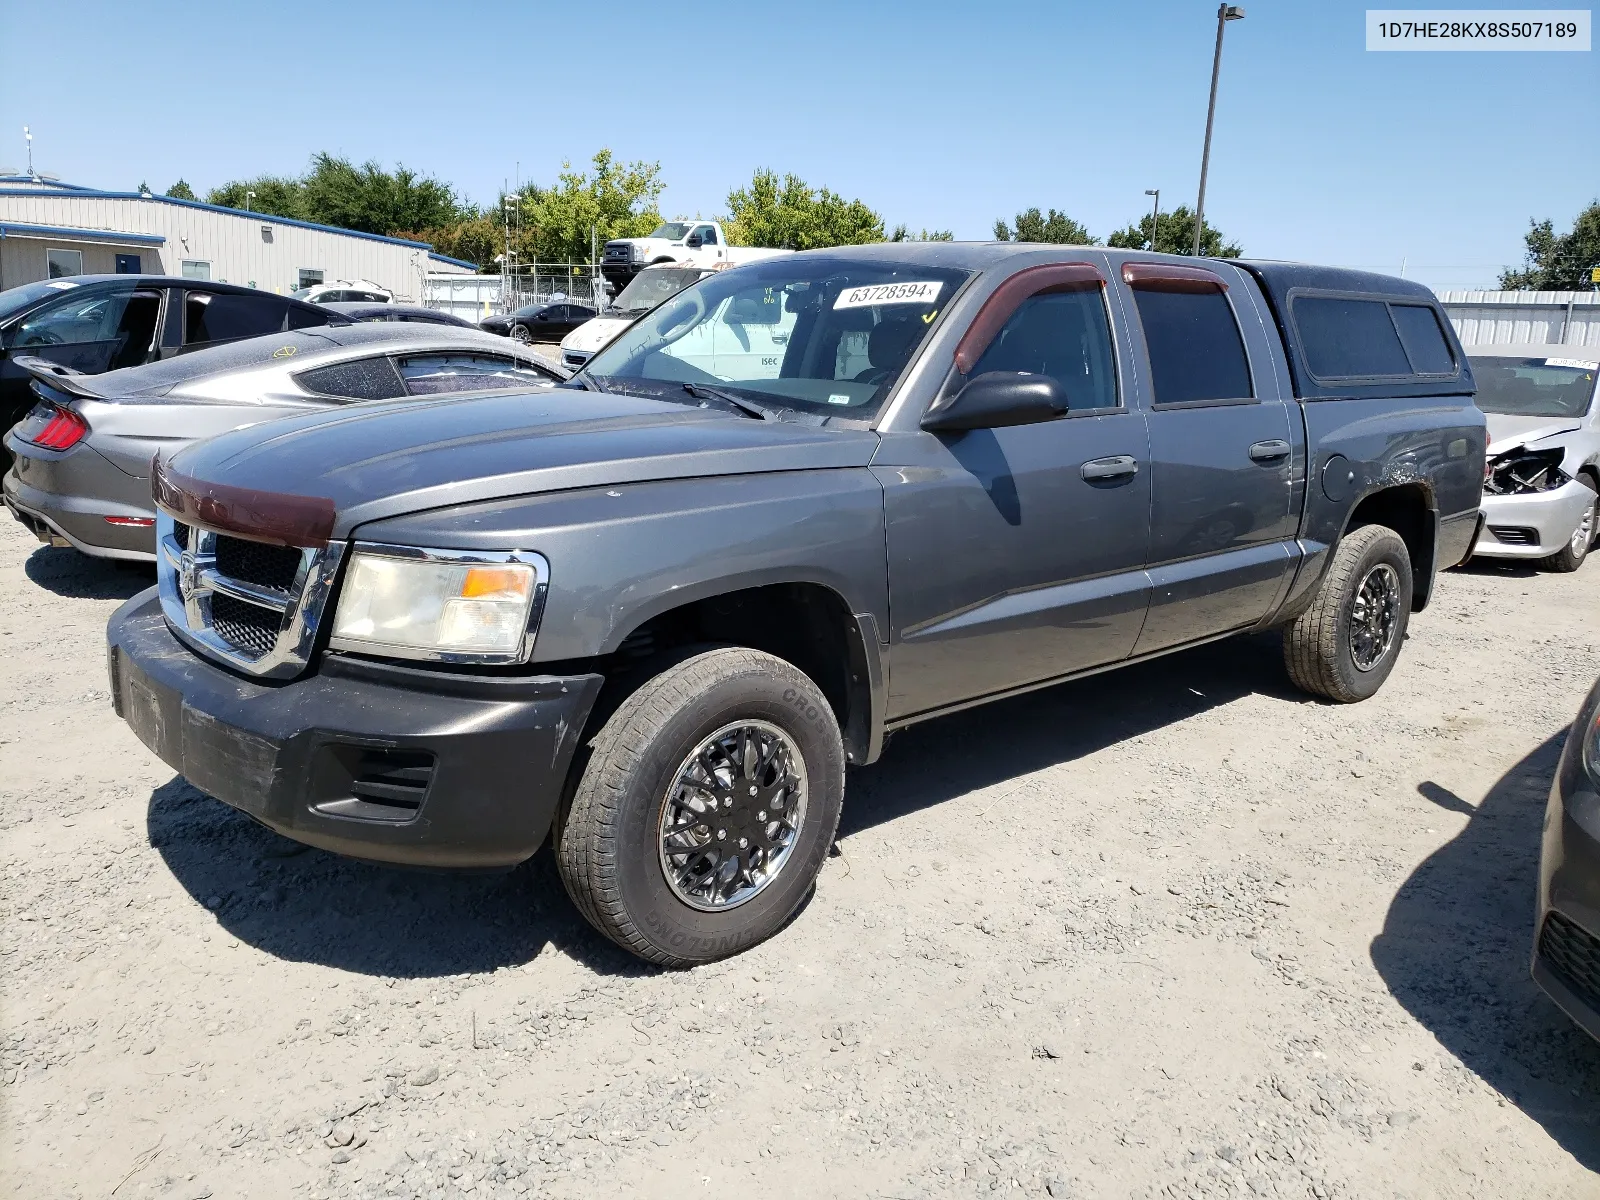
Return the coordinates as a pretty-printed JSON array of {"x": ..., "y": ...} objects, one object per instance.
[
  {"x": 77, "y": 576},
  {"x": 1455, "y": 949},
  {"x": 309, "y": 906}
]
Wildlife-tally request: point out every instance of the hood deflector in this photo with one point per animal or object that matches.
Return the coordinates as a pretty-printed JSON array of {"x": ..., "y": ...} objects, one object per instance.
[{"x": 272, "y": 517}]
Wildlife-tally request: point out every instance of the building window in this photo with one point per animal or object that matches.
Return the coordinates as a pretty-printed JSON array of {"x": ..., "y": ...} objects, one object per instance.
[
  {"x": 309, "y": 278},
  {"x": 195, "y": 268},
  {"x": 64, "y": 262},
  {"x": 128, "y": 264}
]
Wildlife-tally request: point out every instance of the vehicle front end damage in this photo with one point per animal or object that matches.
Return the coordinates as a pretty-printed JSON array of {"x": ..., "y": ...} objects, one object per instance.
[{"x": 1532, "y": 507}]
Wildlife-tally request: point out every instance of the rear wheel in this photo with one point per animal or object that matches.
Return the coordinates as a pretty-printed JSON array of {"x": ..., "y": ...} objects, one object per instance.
[
  {"x": 1345, "y": 644},
  {"x": 707, "y": 807},
  {"x": 1570, "y": 557}
]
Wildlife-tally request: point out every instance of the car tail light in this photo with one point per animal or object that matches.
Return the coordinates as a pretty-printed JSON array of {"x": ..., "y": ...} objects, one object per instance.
[
  {"x": 131, "y": 522},
  {"x": 64, "y": 430}
]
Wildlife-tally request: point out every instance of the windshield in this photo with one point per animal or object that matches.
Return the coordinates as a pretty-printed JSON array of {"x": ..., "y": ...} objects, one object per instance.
[
  {"x": 14, "y": 300},
  {"x": 826, "y": 336},
  {"x": 1535, "y": 387},
  {"x": 650, "y": 288},
  {"x": 671, "y": 230}
]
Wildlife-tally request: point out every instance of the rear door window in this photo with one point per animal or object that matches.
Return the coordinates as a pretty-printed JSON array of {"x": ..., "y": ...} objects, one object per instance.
[
  {"x": 223, "y": 316},
  {"x": 433, "y": 374},
  {"x": 363, "y": 379},
  {"x": 1196, "y": 353},
  {"x": 1064, "y": 335},
  {"x": 99, "y": 331}
]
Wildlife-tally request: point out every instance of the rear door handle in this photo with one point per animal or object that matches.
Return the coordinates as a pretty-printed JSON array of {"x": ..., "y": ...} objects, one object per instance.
[
  {"x": 1115, "y": 467},
  {"x": 1269, "y": 451}
]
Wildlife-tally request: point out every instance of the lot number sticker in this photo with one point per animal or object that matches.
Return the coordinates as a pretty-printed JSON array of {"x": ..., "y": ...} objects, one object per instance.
[
  {"x": 888, "y": 293},
  {"x": 1582, "y": 364}
]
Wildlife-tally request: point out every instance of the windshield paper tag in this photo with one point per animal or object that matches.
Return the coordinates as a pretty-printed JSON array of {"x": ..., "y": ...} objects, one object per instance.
[
  {"x": 888, "y": 293},
  {"x": 1582, "y": 364},
  {"x": 61, "y": 285}
]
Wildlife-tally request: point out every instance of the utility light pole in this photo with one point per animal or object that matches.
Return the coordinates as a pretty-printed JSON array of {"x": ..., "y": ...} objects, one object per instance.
[
  {"x": 505, "y": 263},
  {"x": 28, "y": 134},
  {"x": 1155, "y": 214},
  {"x": 1225, "y": 13}
]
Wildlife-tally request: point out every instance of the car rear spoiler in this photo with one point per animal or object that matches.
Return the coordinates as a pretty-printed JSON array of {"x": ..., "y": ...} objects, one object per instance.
[{"x": 60, "y": 378}]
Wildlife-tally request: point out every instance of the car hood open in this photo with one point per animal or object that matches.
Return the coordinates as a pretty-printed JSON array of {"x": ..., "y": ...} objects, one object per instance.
[{"x": 371, "y": 461}]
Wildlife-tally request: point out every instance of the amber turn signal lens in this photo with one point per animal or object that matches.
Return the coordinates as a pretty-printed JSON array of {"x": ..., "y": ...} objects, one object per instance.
[{"x": 496, "y": 581}]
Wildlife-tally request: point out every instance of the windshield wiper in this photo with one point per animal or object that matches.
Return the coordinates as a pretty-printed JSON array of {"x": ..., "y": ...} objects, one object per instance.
[{"x": 745, "y": 406}]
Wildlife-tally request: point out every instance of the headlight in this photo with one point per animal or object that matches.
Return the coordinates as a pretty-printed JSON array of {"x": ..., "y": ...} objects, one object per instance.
[
  {"x": 637, "y": 250},
  {"x": 444, "y": 605}
]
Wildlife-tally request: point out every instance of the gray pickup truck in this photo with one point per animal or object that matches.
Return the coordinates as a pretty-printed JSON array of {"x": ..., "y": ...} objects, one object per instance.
[{"x": 653, "y": 614}]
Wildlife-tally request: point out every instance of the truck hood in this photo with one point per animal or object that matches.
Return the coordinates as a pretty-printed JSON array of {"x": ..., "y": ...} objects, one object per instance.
[
  {"x": 594, "y": 333},
  {"x": 390, "y": 458},
  {"x": 1507, "y": 432}
]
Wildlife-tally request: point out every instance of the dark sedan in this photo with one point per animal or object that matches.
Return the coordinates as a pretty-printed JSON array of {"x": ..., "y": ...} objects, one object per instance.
[
  {"x": 398, "y": 312},
  {"x": 539, "y": 322},
  {"x": 1566, "y": 953},
  {"x": 98, "y": 323}
]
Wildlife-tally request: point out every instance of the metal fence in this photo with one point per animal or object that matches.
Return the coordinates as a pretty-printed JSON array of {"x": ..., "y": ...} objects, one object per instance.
[
  {"x": 1563, "y": 318},
  {"x": 475, "y": 297}
]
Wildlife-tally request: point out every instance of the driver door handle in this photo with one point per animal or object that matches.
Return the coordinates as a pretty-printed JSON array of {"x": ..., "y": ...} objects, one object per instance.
[
  {"x": 1118, "y": 466},
  {"x": 1269, "y": 451}
]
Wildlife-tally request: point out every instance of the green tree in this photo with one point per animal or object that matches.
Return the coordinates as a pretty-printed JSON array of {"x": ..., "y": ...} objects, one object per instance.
[
  {"x": 902, "y": 234},
  {"x": 273, "y": 195},
  {"x": 1034, "y": 226},
  {"x": 789, "y": 214},
  {"x": 1174, "y": 234},
  {"x": 613, "y": 199},
  {"x": 371, "y": 200},
  {"x": 181, "y": 191},
  {"x": 1558, "y": 262}
]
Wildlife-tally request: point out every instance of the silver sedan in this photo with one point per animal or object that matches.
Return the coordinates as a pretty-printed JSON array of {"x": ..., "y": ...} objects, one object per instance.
[
  {"x": 81, "y": 475},
  {"x": 1541, "y": 497}
]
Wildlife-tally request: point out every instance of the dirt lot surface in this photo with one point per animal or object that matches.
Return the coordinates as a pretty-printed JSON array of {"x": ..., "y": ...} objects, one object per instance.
[{"x": 1174, "y": 931}]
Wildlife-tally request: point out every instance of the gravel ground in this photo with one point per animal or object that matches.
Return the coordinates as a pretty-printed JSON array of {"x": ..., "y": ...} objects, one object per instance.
[{"x": 1175, "y": 931}]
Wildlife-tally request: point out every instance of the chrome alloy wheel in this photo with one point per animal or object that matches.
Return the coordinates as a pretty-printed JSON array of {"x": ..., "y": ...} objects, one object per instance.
[
  {"x": 732, "y": 815},
  {"x": 1583, "y": 535},
  {"x": 1374, "y": 617}
]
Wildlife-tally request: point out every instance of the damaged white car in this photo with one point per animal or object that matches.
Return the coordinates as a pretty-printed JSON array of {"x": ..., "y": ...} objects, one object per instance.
[{"x": 1541, "y": 490}]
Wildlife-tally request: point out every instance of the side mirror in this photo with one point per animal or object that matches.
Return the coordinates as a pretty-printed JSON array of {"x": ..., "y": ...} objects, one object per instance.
[
  {"x": 999, "y": 398},
  {"x": 694, "y": 241}
]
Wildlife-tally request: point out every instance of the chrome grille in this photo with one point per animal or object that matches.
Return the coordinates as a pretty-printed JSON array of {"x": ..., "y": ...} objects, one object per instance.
[{"x": 249, "y": 604}]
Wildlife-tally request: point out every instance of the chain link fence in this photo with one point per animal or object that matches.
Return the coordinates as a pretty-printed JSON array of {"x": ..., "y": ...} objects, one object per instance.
[{"x": 474, "y": 297}]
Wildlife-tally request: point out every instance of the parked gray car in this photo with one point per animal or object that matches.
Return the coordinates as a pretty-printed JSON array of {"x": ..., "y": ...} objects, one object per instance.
[
  {"x": 1541, "y": 497},
  {"x": 81, "y": 475},
  {"x": 654, "y": 613}
]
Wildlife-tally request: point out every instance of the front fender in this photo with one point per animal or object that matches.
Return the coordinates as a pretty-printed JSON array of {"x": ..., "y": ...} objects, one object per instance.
[{"x": 623, "y": 554}]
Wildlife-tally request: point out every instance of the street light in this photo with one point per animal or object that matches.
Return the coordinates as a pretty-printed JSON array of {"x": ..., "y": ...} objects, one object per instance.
[
  {"x": 506, "y": 204},
  {"x": 1155, "y": 214},
  {"x": 249, "y": 200},
  {"x": 1225, "y": 13}
]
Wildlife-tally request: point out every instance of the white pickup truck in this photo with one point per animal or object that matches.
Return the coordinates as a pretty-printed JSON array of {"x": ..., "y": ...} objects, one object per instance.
[{"x": 686, "y": 243}]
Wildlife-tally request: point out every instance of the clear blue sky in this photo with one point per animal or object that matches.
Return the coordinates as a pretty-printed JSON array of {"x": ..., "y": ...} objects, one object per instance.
[{"x": 938, "y": 114}]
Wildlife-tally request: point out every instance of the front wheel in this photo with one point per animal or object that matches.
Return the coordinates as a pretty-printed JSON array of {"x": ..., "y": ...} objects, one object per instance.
[
  {"x": 1570, "y": 557},
  {"x": 519, "y": 333},
  {"x": 1344, "y": 645},
  {"x": 709, "y": 802}
]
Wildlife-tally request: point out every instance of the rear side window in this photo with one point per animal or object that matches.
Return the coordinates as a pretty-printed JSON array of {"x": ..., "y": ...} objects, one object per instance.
[
  {"x": 1064, "y": 335},
  {"x": 1196, "y": 353},
  {"x": 305, "y": 318},
  {"x": 364, "y": 379},
  {"x": 432, "y": 374},
  {"x": 1343, "y": 338},
  {"x": 222, "y": 316},
  {"x": 1423, "y": 339}
]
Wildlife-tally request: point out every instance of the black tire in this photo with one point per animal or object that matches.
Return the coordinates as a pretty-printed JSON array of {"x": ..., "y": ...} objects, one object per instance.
[
  {"x": 1570, "y": 557},
  {"x": 1318, "y": 648},
  {"x": 609, "y": 846},
  {"x": 521, "y": 333}
]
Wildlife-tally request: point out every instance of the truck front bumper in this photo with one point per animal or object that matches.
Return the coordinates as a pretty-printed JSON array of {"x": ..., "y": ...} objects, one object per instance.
[
  {"x": 1532, "y": 526},
  {"x": 374, "y": 760}
]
